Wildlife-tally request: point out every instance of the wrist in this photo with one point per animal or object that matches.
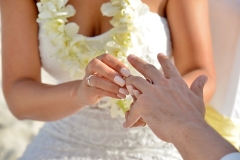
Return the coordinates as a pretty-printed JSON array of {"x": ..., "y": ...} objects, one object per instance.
[
  {"x": 187, "y": 129},
  {"x": 197, "y": 140},
  {"x": 75, "y": 94}
]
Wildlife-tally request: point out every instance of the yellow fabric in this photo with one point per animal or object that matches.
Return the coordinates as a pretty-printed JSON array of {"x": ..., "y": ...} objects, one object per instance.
[{"x": 227, "y": 127}]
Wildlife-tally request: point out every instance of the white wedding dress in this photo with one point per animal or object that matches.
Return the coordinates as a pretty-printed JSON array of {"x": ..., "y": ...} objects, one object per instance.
[
  {"x": 91, "y": 134},
  {"x": 223, "y": 112}
]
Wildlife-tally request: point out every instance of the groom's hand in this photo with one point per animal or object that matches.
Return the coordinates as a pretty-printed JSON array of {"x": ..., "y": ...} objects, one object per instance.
[{"x": 168, "y": 102}]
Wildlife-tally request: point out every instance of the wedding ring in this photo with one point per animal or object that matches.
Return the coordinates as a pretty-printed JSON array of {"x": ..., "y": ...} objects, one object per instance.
[
  {"x": 149, "y": 80},
  {"x": 88, "y": 80},
  {"x": 144, "y": 124}
]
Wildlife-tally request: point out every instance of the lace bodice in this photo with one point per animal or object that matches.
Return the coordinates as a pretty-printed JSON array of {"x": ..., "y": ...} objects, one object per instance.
[{"x": 92, "y": 134}]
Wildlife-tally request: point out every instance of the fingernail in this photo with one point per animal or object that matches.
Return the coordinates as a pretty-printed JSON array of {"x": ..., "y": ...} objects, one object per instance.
[
  {"x": 136, "y": 93},
  {"x": 121, "y": 96},
  {"x": 118, "y": 80},
  {"x": 123, "y": 91},
  {"x": 160, "y": 55},
  {"x": 130, "y": 89},
  {"x": 132, "y": 56},
  {"x": 125, "y": 72}
]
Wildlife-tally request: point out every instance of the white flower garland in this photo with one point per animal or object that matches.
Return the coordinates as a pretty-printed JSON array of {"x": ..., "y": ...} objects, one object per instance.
[{"x": 74, "y": 53}]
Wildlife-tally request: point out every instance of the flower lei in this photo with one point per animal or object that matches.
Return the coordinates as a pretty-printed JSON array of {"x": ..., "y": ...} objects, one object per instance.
[{"x": 74, "y": 53}]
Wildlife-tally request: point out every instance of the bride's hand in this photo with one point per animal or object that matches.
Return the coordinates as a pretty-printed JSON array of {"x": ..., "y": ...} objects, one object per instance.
[{"x": 104, "y": 77}]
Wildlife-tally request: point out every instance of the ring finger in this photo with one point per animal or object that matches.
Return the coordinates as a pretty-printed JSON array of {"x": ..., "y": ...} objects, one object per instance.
[
  {"x": 97, "y": 66},
  {"x": 115, "y": 64},
  {"x": 102, "y": 83}
]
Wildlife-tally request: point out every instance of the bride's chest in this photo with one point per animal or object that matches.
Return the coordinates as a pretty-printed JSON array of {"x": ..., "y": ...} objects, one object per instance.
[
  {"x": 91, "y": 20},
  {"x": 134, "y": 30}
]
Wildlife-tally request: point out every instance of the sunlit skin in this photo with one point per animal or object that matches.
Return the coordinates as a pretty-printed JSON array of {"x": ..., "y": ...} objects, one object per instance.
[
  {"x": 174, "y": 112},
  {"x": 28, "y": 98}
]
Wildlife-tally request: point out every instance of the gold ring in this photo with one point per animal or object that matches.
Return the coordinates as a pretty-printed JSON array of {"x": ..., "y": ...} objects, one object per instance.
[
  {"x": 144, "y": 124},
  {"x": 149, "y": 80}
]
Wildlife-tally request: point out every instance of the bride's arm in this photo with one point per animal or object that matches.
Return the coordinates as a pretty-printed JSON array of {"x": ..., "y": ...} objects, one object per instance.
[
  {"x": 26, "y": 96},
  {"x": 191, "y": 39}
]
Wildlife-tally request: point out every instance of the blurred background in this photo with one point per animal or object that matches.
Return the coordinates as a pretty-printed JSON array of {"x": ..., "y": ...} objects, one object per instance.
[{"x": 15, "y": 135}]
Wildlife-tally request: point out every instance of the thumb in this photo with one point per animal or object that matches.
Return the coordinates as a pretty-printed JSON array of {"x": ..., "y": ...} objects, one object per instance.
[
  {"x": 198, "y": 85},
  {"x": 132, "y": 116}
]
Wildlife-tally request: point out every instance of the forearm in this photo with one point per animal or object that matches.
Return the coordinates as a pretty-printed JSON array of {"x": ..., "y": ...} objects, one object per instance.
[
  {"x": 209, "y": 87},
  {"x": 28, "y": 99},
  {"x": 191, "y": 41},
  {"x": 199, "y": 141}
]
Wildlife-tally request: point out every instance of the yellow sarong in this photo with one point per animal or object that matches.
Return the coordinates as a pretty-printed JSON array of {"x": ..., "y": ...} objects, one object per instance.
[{"x": 227, "y": 127}]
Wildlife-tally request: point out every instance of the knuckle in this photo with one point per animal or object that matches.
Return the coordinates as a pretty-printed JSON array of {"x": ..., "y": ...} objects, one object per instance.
[
  {"x": 105, "y": 57},
  {"x": 200, "y": 86},
  {"x": 196, "y": 87},
  {"x": 168, "y": 66},
  {"x": 110, "y": 74},
  {"x": 136, "y": 79},
  {"x": 113, "y": 88},
  {"x": 93, "y": 64},
  {"x": 157, "y": 90},
  {"x": 148, "y": 67},
  {"x": 164, "y": 82},
  {"x": 166, "y": 75},
  {"x": 119, "y": 66},
  {"x": 133, "y": 80}
]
